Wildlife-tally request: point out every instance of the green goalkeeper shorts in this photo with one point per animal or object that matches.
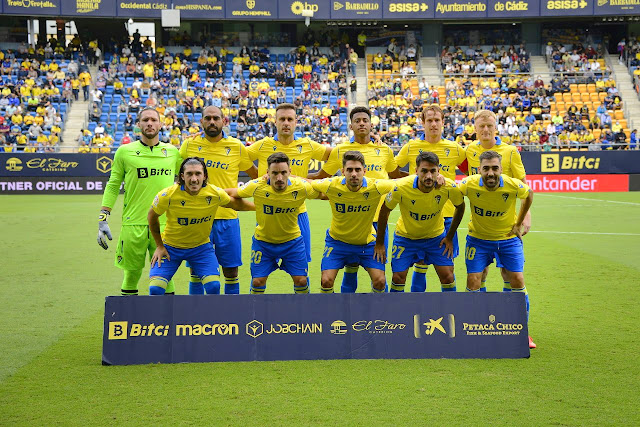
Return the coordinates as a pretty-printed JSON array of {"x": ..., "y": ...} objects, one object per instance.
[{"x": 133, "y": 245}]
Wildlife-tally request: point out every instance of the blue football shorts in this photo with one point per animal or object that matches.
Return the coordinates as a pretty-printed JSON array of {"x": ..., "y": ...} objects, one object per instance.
[
  {"x": 406, "y": 252},
  {"x": 447, "y": 226},
  {"x": 201, "y": 258},
  {"x": 338, "y": 254},
  {"x": 480, "y": 253},
  {"x": 267, "y": 257},
  {"x": 305, "y": 230}
]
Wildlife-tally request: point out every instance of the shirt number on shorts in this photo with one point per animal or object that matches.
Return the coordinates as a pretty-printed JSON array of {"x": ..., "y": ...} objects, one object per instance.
[
  {"x": 327, "y": 251},
  {"x": 470, "y": 253},
  {"x": 396, "y": 251},
  {"x": 256, "y": 257}
]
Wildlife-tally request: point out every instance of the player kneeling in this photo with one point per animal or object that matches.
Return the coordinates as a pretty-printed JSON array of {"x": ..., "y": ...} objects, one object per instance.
[
  {"x": 420, "y": 232},
  {"x": 350, "y": 238},
  {"x": 190, "y": 206},
  {"x": 277, "y": 242}
]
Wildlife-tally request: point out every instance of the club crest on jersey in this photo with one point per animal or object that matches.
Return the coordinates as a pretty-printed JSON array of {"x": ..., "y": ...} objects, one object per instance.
[
  {"x": 475, "y": 154},
  {"x": 420, "y": 151},
  {"x": 164, "y": 152},
  {"x": 339, "y": 194},
  {"x": 446, "y": 152},
  {"x": 267, "y": 194},
  {"x": 478, "y": 195},
  {"x": 438, "y": 199},
  {"x": 119, "y": 259},
  {"x": 182, "y": 202},
  {"x": 505, "y": 196},
  {"x": 294, "y": 194},
  {"x": 137, "y": 153},
  {"x": 208, "y": 199},
  {"x": 199, "y": 147},
  {"x": 366, "y": 195},
  {"x": 227, "y": 150},
  {"x": 377, "y": 152},
  {"x": 275, "y": 148},
  {"x": 299, "y": 147},
  {"x": 413, "y": 202}
]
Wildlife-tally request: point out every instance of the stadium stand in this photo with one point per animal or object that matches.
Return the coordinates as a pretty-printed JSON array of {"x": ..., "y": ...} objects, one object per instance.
[
  {"x": 35, "y": 93},
  {"x": 246, "y": 85}
]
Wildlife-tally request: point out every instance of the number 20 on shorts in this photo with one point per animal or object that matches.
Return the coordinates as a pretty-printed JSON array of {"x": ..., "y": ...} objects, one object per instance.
[{"x": 256, "y": 257}]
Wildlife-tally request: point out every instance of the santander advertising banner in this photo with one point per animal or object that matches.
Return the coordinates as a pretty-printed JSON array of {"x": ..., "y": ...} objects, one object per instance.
[{"x": 587, "y": 183}]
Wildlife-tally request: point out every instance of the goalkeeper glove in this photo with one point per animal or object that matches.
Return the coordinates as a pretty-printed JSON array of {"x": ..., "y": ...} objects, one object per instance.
[{"x": 104, "y": 231}]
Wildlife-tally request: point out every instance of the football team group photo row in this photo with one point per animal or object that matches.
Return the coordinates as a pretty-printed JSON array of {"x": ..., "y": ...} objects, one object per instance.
[{"x": 181, "y": 205}]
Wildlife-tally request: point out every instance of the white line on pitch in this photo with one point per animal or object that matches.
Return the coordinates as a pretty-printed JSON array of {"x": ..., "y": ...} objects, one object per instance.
[
  {"x": 591, "y": 200},
  {"x": 584, "y": 232}
]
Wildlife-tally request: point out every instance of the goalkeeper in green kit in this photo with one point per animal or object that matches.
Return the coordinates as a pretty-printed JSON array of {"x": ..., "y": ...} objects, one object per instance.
[{"x": 146, "y": 166}]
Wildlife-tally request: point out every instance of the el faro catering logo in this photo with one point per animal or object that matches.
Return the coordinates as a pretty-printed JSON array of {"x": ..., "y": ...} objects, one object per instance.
[
  {"x": 46, "y": 164},
  {"x": 375, "y": 326}
]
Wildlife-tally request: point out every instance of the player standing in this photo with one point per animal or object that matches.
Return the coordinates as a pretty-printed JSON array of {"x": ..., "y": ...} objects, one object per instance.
[
  {"x": 300, "y": 152},
  {"x": 494, "y": 228},
  {"x": 224, "y": 157},
  {"x": 351, "y": 237},
  {"x": 486, "y": 127},
  {"x": 420, "y": 231},
  {"x": 278, "y": 201},
  {"x": 191, "y": 206},
  {"x": 450, "y": 155},
  {"x": 146, "y": 166},
  {"x": 380, "y": 165}
]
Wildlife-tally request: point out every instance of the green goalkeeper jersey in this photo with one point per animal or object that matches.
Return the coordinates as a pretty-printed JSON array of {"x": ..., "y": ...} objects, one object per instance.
[{"x": 145, "y": 171}]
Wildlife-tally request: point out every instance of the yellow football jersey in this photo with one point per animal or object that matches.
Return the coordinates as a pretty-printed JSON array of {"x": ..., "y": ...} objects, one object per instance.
[
  {"x": 300, "y": 152},
  {"x": 189, "y": 218},
  {"x": 511, "y": 161},
  {"x": 379, "y": 161},
  {"x": 353, "y": 211},
  {"x": 450, "y": 154},
  {"x": 493, "y": 213},
  {"x": 422, "y": 214},
  {"x": 224, "y": 160},
  {"x": 277, "y": 212},
  {"x": 378, "y": 158}
]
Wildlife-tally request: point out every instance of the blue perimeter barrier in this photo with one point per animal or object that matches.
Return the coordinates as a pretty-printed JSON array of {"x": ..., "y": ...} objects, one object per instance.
[{"x": 183, "y": 328}]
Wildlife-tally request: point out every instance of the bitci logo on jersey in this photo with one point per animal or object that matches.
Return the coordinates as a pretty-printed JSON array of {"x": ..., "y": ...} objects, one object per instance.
[{"x": 147, "y": 172}]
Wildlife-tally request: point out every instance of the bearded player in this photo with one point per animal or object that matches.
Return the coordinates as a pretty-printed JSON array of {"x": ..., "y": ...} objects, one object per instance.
[{"x": 146, "y": 166}]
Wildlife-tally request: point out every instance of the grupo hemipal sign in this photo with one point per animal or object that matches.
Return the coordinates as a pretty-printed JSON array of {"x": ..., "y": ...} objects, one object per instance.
[{"x": 189, "y": 328}]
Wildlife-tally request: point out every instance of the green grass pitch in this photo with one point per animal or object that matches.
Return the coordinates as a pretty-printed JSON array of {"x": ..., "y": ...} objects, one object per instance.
[{"x": 582, "y": 272}]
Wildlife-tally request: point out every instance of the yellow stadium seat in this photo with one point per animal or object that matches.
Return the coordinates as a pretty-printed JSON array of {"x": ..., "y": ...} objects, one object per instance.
[
  {"x": 591, "y": 88},
  {"x": 584, "y": 96},
  {"x": 619, "y": 115},
  {"x": 582, "y": 88},
  {"x": 573, "y": 87}
]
